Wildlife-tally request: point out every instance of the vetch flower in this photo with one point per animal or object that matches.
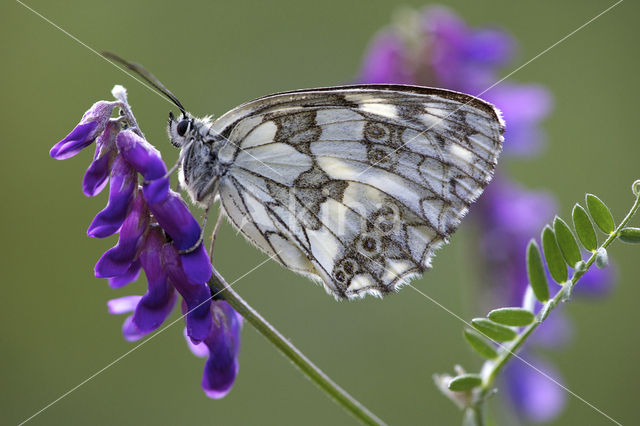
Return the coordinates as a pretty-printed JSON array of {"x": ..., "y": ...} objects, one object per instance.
[
  {"x": 534, "y": 396},
  {"x": 221, "y": 347},
  {"x": 157, "y": 234},
  {"x": 96, "y": 176},
  {"x": 124, "y": 182},
  {"x": 92, "y": 124}
]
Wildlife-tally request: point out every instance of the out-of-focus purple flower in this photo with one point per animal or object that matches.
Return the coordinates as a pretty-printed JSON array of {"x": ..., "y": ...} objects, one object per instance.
[
  {"x": 385, "y": 61},
  {"x": 534, "y": 396},
  {"x": 442, "y": 51},
  {"x": 509, "y": 216},
  {"x": 435, "y": 47},
  {"x": 156, "y": 233}
]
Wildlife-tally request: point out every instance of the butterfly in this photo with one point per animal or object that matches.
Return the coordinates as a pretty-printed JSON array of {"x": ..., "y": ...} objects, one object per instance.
[{"x": 352, "y": 186}]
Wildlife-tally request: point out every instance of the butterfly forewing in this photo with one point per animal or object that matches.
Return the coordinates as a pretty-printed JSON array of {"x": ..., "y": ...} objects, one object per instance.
[{"x": 356, "y": 186}]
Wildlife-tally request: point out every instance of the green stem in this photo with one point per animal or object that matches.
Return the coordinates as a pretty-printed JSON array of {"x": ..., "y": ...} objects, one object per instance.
[
  {"x": 305, "y": 365},
  {"x": 496, "y": 366}
]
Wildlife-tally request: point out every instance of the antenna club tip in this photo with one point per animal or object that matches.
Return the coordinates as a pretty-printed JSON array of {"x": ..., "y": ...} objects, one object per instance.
[{"x": 119, "y": 92}]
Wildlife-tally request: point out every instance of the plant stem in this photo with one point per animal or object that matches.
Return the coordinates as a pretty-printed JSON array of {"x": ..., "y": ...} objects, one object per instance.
[
  {"x": 305, "y": 365},
  {"x": 493, "y": 367}
]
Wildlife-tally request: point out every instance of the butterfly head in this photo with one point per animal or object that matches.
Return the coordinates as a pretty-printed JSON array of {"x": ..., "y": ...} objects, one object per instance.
[{"x": 180, "y": 130}]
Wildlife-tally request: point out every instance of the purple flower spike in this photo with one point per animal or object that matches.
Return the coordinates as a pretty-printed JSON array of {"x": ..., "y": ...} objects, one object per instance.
[
  {"x": 95, "y": 179},
  {"x": 223, "y": 343},
  {"x": 123, "y": 184},
  {"x": 92, "y": 124},
  {"x": 197, "y": 296},
  {"x": 131, "y": 275},
  {"x": 176, "y": 219},
  {"x": 141, "y": 155},
  {"x": 117, "y": 260},
  {"x": 156, "y": 305}
]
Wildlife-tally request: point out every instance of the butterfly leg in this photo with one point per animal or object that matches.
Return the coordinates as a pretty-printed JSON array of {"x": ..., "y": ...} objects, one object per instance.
[
  {"x": 201, "y": 238},
  {"x": 213, "y": 235}
]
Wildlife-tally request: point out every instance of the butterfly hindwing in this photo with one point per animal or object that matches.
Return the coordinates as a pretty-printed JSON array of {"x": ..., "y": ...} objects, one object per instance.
[{"x": 356, "y": 185}]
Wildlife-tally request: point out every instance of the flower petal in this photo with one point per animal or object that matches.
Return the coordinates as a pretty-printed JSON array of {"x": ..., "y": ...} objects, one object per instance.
[
  {"x": 198, "y": 349},
  {"x": 197, "y": 265},
  {"x": 123, "y": 184},
  {"x": 123, "y": 305},
  {"x": 197, "y": 296},
  {"x": 221, "y": 367},
  {"x": 157, "y": 190},
  {"x": 95, "y": 178},
  {"x": 176, "y": 219},
  {"x": 130, "y": 331},
  {"x": 117, "y": 260},
  {"x": 131, "y": 275},
  {"x": 92, "y": 124},
  {"x": 79, "y": 138},
  {"x": 156, "y": 305},
  {"x": 141, "y": 155}
]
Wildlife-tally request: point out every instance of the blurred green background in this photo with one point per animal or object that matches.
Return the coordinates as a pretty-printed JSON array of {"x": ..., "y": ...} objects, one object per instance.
[{"x": 54, "y": 327}]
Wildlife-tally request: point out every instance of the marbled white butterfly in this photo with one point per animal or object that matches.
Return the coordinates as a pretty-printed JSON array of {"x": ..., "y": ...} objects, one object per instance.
[{"x": 354, "y": 186}]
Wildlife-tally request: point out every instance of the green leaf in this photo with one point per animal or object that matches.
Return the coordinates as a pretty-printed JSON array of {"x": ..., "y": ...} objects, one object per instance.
[
  {"x": 516, "y": 317},
  {"x": 536, "y": 273},
  {"x": 602, "y": 258},
  {"x": 584, "y": 228},
  {"x": 600, "y": 214},
  {"x": 630, "y": 235},
  {"x": 493, "y": 330},
  {"x": 567, "y": 242},
  {"x": 480, "y": 344},
  {"x": 553, "y": 256},
  {"x": 465, "y": 382}
]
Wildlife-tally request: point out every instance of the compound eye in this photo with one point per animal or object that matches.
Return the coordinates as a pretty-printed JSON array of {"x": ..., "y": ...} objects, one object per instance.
[{"x": 182, "y": 127}]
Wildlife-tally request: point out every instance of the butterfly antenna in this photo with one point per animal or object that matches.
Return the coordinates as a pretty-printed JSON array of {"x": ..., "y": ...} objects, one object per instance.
[{"x": 148, "y": 77}]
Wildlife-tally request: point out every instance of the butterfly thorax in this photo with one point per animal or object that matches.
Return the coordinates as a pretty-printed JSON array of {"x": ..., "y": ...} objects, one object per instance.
[{"x": 200, "y": 168}]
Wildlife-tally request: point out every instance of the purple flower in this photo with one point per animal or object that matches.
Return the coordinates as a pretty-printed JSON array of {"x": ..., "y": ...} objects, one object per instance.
[
  {"x": 124, "y": 182},
  {"x": 534, "y": 396},
  {"x": 158, "y": 234},
  {"x": 95, "y": 179},
  {"x": 221, "y": 346},
  {"x": 92, "y": 124},
  {"x": 442, "y": 51}
]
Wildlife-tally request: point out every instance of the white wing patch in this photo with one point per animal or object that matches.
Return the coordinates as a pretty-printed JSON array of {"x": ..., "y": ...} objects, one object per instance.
[{"x": 356, "y": 186}]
